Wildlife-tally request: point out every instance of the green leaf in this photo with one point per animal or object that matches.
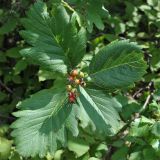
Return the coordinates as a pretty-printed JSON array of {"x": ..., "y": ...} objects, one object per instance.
[
  {"x": 14, "y": 156},
  {"x": 45, "y": 75},
  {"x": 58, "y": 155},
  {"x": 156, "y": 129},
  {"x": 149, "y": 154},
  {"x": 3, "y": 129},
  {"x": 136, "y": 156},
  {"x": 72, "y": 40},
  {"x": 3, "y": 96},
  {"x": 145, "y": 120},
  {"x": 2, "y": 57},
  {"x": 20, "y": 66},
  {"x": 13, "y": 52},
  {"x": 117, "y": 65},
  {"x": 139, "y": 130},
  {"x": 152, "y": 2},
  {"x": 100, "y": 150},
  {"x": 78, "y": 145},
  {"x": 94, "y": 13},
  {"x": 93, "y": 158},
  {"x": 155, "y": 143},
  {"x": 155, "y": 63},
  {"x": 43, "y": 123},
  {"x": 48, "y": 61},
  {"x": 120, "y": 154},
  {"x": 101, "y": 109},
  {"x": 129, "y": 109},
  {"x": 55, "y": 40},
  {"x": 5, "y": 148},
  {"x": 9, "y": 26}
]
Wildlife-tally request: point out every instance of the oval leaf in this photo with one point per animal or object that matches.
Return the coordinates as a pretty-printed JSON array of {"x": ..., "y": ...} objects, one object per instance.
[
  {"x": 101, "y": 109},
  {"x": 117, "y": 65}
]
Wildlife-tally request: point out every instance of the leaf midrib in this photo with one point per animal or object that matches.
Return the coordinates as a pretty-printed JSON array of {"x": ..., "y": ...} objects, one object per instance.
[
  {"x": 51, "y": 30},
  {"x": 115, "y": 67}
]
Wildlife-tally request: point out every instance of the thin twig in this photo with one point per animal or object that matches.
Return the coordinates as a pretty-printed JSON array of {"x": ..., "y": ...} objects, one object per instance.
[
  {"x": 137, "y": 92},
  {"x": 131, "y": 120},
  {"x": 146, "y": 103},
  {"x": 5, "y": 87},
  {"x": 119, "y": 133}
]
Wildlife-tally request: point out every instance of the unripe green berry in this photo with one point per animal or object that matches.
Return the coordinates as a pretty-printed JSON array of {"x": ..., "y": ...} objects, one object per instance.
[
  {"x": 81, "y": 74},
  {"x": 69, "y": 88},
  {"x": 74, "y": 90}
]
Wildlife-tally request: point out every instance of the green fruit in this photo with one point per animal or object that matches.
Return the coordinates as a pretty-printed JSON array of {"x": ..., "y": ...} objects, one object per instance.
[
  {"x": 69, "y": 88},
  {"x": 81, "y": 74},
  {"x": 74, "y": 90}
]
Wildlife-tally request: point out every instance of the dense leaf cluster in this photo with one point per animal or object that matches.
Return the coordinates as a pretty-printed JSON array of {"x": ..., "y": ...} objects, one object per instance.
[{"x": 114, "y": 116}]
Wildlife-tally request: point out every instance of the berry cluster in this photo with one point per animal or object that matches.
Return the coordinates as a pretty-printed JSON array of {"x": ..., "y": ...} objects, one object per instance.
[{"x": 75, "y": 78}]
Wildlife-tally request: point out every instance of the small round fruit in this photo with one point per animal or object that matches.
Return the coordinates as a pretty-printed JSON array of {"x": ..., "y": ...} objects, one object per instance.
[
  {"x": 69, "y": 88},
  {"x": 77, "y": 81},
  {"x": 74, "y": 90},
  {"x": 74, "y": 72},
  {"x": 85, "y": 75},
  {"x": 70, "y": 79},
  {"x": 72, "y": 94},
  {"x": 72, "y": 99},
  {"x": 81, "y": 74}
]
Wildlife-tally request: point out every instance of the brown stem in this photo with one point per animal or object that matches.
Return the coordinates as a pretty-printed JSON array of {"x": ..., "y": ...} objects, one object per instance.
[{"x": 5, "y": 87}]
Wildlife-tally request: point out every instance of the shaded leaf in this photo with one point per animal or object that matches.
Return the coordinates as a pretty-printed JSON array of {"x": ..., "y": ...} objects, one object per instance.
[{"x": 9, "y": 26}]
